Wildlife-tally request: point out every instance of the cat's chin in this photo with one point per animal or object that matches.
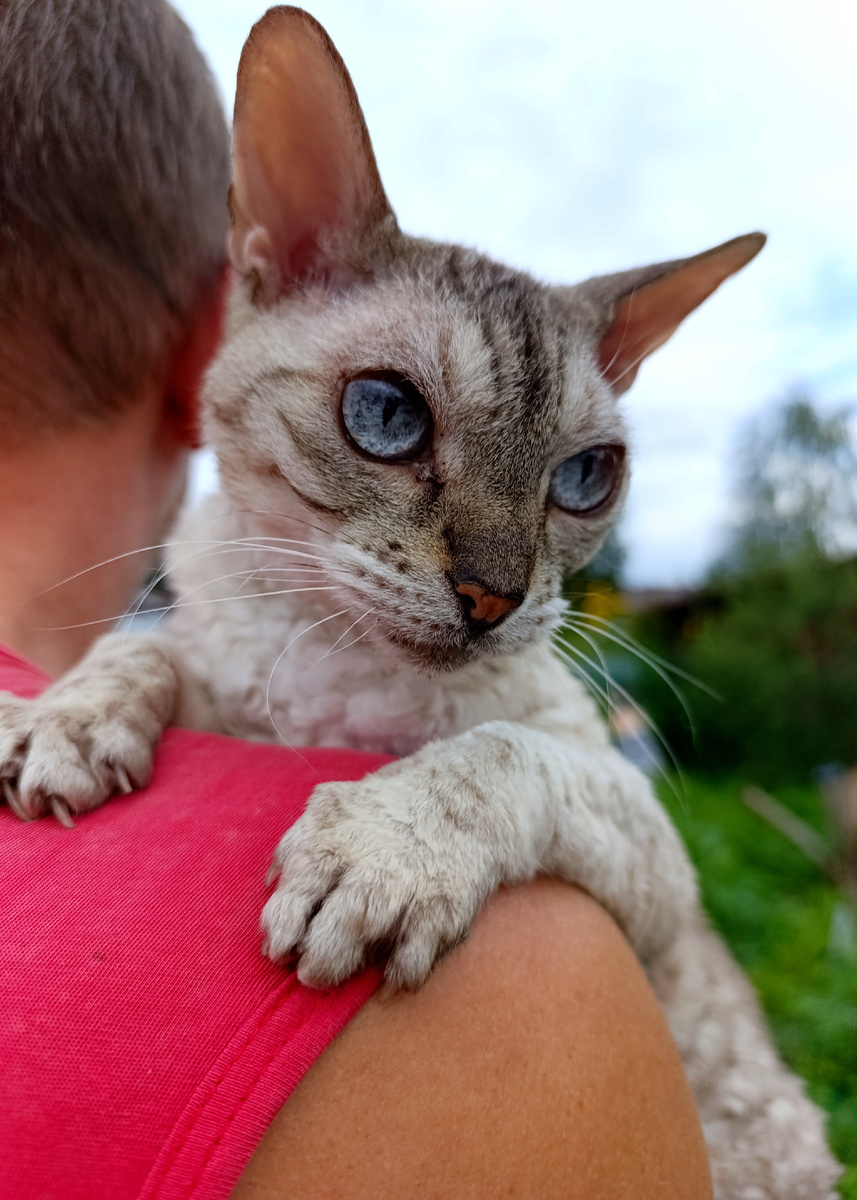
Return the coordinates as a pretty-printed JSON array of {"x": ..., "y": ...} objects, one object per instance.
[{"x": 429, "y": 658}]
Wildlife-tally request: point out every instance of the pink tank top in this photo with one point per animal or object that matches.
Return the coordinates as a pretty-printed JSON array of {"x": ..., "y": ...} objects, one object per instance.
[{"x": 145, "y": 1043}]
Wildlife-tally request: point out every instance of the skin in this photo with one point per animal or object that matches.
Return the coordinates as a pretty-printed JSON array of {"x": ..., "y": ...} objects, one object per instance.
[
  {"x": 49, "y": 533},
  {"x": 94, "y": 494},
  {"x": 534, "y": 1063}
]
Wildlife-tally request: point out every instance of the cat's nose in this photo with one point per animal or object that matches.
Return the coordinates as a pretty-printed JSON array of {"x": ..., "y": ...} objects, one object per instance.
[{"x": 483, "y": 608}]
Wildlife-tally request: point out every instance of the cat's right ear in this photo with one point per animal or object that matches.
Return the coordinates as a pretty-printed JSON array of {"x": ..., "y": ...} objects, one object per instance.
[{"x": 306, "y": 192}]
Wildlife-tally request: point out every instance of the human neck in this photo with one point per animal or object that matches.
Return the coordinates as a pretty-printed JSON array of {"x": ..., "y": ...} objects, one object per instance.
[{"x": 73, "y": 511}]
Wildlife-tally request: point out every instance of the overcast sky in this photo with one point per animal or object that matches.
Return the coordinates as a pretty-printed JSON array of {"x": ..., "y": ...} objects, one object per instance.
[{"x": 573, "y": 139}]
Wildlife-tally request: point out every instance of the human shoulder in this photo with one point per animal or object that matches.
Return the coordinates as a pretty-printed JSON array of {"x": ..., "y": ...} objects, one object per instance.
[{"x": 534, "y": 1063}]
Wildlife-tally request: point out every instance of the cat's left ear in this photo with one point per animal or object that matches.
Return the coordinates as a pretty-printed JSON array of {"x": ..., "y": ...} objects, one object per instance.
[
  {"x": 645, "y": 307},
  {"x": 306, "y": 195}
]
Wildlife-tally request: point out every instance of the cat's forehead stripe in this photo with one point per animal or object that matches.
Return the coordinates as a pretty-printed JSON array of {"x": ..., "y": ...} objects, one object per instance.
[{"x": 527, "y": 359}]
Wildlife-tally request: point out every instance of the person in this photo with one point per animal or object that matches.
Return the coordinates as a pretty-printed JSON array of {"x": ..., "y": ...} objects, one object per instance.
[{"x": 147, "y": 1048}]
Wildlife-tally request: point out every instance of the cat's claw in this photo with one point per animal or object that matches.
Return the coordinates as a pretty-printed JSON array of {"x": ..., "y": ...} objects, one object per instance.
[
  {"x": 12, "y": 798},
  {"x": 359, "y": 882},
  {"x": 60, "y": 811},
  {"x": 67, "y": 758},
  {"x": 122, "y": 781}
]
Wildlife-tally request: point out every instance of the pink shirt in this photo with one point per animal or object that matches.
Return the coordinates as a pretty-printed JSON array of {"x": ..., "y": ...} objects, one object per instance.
[{"x": 145, "y": 1044}]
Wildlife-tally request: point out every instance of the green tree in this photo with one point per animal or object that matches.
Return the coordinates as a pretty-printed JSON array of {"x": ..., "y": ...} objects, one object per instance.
[
  {"x": 796, "y": 488},
  {"x": 774, "y": 632}
]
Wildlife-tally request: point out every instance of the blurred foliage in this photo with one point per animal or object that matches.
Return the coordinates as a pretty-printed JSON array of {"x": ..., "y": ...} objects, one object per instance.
[
  {"x": 795, "y": 488},
  {"x": 608, "y": 564},
  {"x": 774, "y": 908},
  {"x": 779, "y": 649},
  {"x": 774, "y": 630}
]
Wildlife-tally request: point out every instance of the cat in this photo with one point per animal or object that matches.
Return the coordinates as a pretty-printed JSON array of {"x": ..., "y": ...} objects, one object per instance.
[{"x": 416, "y": 446}]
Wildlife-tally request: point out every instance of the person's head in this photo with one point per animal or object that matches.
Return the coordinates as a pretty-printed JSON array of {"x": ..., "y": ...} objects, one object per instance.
[
  {"x": 114, "y": 170},
  {"x": 114, "y": 174}
]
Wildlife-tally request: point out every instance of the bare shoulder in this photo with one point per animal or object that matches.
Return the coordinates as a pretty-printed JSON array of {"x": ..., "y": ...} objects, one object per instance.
[{"x": 534, "y": 1063}]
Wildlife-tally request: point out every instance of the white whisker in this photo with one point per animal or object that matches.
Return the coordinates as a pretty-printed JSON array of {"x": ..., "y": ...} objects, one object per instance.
[
  {"x": 251, "y": 596},
  {"x": 344, "y": 634},
  {"x": 359, "y": 638},
  {"x": 574, "y": 658},
  {"x": 220, "y": 548},
  {"x": 269, "y": 512},
  {"x": 166, "y": 608},
  {"x": 226, "y": 545},
  {"x": 266, "y": 538},
  {"x": 280, "y": 657},
  {"x": 649, "y": 656},
  {"x": 595, "y": 649},
  {"x": 576, "y": 622}
]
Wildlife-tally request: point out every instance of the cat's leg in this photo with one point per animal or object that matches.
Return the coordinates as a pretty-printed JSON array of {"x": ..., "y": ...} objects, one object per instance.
[
  {"x": 404, "y": 858},
  {"x": 765, "y": 1138},
  {"x": 94, "y": 732}
]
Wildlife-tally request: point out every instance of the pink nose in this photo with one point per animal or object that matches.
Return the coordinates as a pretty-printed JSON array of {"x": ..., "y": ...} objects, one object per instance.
[{"x": 481, "y": 607}]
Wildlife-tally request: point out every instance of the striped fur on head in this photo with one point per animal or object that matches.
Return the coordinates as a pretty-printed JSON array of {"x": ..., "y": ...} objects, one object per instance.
[{"x": 515, "y": 373}]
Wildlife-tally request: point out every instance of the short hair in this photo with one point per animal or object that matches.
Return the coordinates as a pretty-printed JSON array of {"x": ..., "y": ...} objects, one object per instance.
[{"x": 114, "y": 172}]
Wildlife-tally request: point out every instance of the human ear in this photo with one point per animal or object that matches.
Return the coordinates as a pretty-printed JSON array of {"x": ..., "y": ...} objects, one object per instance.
[{"x": 184, "y": 381}]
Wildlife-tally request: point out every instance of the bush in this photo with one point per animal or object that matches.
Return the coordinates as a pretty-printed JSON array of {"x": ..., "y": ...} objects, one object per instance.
[
  {"x": 774, "y": 908},
  {"x": 779, "y": 647}
]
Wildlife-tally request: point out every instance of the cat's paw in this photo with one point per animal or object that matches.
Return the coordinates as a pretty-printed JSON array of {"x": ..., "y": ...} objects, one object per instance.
[
  {"x": 363, "y": 874},
  {"x": 68, "y": 757}
]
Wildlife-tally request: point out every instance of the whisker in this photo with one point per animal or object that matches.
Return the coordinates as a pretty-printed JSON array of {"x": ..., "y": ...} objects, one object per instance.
[
  {"x": 227, "y": 545},
  {"x": 251, "y": 596},
  {"x": 592, "y": 645},
  {"x": 642, "y": 655},
  {"x": 250, "y": 573},
  {"x": 359, "y": 638},
  {"x": 269, "y": 537},
  {"x": 632, "y": 644},
  {"x": 280, "y": 657},
  {"x": 106, "y": 562},
  {"x": 632, "y": 366},
  {"x": 565, "y": 651},
  {"x": 622, "y": 338},
  {"x": 158, "y": 577},
  {"x": 166, "y": 608},
  {"x": 256, "y": 544},
  {"x": 269, "y": 512},
  {"x": 268, "y": 573},
  {"x": 680, "y": 793},
  {"x": 208, "y": 552},
  {"x": 344, "y": 634}
]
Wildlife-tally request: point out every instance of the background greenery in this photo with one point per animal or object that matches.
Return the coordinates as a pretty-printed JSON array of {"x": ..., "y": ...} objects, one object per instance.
[
  {"x": 771, "y": 639},
  {"x": 775, "y": 909}
]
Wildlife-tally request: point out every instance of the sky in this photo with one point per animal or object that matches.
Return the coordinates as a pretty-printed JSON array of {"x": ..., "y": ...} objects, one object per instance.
[{"x": 572, "y": 140}]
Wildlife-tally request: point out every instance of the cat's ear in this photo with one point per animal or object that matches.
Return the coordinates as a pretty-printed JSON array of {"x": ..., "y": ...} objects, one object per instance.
[
  {"x": 305, "y": 190},
  {"x": 645, "y": 307}
]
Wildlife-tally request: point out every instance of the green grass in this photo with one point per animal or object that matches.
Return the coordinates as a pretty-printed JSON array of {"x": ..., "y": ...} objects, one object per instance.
[{"x": 775, "y": 909}]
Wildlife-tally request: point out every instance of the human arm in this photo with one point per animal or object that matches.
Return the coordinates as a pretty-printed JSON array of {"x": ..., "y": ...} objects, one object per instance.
[{"x": 534, "y": 1063}]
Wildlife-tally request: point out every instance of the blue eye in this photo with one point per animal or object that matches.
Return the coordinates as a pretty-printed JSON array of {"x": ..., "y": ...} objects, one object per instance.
[
  {"x": 386, "y": 417},
  {"x": 587, "y": 480}
]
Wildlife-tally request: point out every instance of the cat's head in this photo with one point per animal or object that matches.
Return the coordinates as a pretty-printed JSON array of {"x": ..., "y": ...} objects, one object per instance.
[{"x": 445, "y": 429}]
